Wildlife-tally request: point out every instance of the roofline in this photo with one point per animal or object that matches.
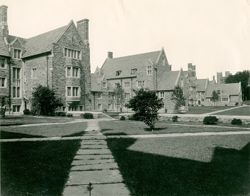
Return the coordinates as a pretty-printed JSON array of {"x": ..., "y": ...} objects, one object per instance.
[
  {"x": 121, "y": 77},
  {"x": 59, "y": 37},
  {"x": 36, "y": 55}
]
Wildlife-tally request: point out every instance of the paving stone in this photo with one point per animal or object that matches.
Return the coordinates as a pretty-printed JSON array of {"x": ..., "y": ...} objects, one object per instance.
[
  {"x": 103, "y": 146},
  {"x": 93, "y": 142},
  {"x": 104, "y": 166},
  {"x": 93, "y": 151},
  {"x": 98, "y": 190},
  {"x": 95, "y": 161},
  {"x": 103, "y": 176},
  {"x": 92, "y": 157}
]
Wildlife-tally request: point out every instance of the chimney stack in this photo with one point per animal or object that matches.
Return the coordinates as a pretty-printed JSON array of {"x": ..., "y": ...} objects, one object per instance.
[
  {"x": 110, "y": 55},
  {"x": 83, "y": 29},
  {"x": 4, "y": 31}
]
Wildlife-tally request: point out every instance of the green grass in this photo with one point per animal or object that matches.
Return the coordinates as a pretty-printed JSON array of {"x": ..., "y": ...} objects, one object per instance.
[
  {"x": 210, "y": 165},
  {"x": 243, "y": 111},
  {"x": 137, "y": 128},
  {"x": 21, "y": 120},
  {"x": 49, "y": 130},
  {"x": 36, "y": 168},
  {"x": 205, "y": 109}
]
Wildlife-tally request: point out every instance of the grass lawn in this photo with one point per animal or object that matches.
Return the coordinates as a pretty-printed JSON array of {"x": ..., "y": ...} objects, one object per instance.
[
  {"x": 21, "y": 120},
  {"x": 204, "y": 165},
  {"x": 72, "y": 129},
  {"x": 205, "y": 109},
  {"x": 243, "y": 111},
  {"x": 136, "y": 127},
  {"x": 36, "y": 168}
]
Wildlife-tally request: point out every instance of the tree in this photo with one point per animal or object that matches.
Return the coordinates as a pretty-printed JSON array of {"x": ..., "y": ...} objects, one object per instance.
[
  {"x": 242, "y": 77},
  {"x": 44, "y": 101},
  {"x": 215, "y": 96},
  {"x": 119, "y": 96},
  {"x": 178, "y": 97},
  {"x": 146, "y": 104}
]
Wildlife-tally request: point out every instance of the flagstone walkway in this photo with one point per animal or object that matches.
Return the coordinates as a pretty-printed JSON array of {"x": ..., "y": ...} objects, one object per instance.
[{"x": 94, "y": 163}]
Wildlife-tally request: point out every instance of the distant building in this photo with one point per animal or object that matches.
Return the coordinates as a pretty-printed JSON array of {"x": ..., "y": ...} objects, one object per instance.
[{"x": 59, "y": 59}]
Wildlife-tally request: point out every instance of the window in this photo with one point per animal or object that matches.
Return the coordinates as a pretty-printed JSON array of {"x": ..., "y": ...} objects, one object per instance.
[
  {"x": 17, "y": 53},
  {"x": 140, "y": 84},
  {"x": 161, "y": 94},
  {"x": 127, "y": 95},
  {"x": 149, "y": 70},
  {"x": 3, "y": 82},
  {"x": 118, "y": 73},
  {"x": 34, "y": 73},
  {"x": 127, "y": 84},
  {"x": 16, "y": 73},
  {"x": 73, "y": 72},
  {"x": 104, "y": 84},
  {"x": 16, "y": 92},
  {"x": 2, "y": 64},
  {"x": 76, "y": 72},
  {"x": 99, "y": 95},
  {"x": 110, "y": 106},
  {"x": 69, "y": 91},
  {"x": 225, "y": 99},
  {"x": 75, "y": 54},
  {"x": 75, "y": 91},
  {"x": 68, "y": 72},
  {"x": 16, "y": 108},
  {"x": 133, "y": 71},
  {"x": 111, "y": 95},
  {"x": 99, "y": 106}
]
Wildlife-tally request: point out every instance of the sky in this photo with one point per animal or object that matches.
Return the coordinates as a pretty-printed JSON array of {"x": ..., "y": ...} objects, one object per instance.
[{"x": 214, "y": 35}]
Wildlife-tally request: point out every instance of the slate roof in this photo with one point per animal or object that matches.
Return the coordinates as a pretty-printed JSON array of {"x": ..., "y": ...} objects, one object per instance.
[
  {"x": 43, "y": 43},
  {"x": 229, "y": 89},
  {"x": 11, "y": 38},
  {"x": 126, "y": 63},
  {"x": 201, "y": 84},
  {"x": 95, "y": 84},
  {"x": 3, "y": 48},
  {"x": 167, "y": 80}
]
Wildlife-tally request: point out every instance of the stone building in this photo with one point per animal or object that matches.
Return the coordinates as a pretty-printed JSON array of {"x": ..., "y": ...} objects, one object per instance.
[
  {"x": 147, "y": 70},
  {"x": 59, "y": 59}
]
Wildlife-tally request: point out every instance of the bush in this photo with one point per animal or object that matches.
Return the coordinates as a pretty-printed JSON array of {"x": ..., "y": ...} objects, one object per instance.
[
  {"x": 136, "y": 117},
  {"x": 87, "y": 116},
  {"x": 69, "y": 115},
  {"x": 175, "y": 118},
  {"x": 26, "y": 112},
  {"x": 236, "y": 121},
  {"x": 210, "y": 120},
  {"x": 2, "y": 112},
  {"x": 60, "y": 113},
  {"x": 105, "y": 111},
  {"x": 122, "y": 118}
]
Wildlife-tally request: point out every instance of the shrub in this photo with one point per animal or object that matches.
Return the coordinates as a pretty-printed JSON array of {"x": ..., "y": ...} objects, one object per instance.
[
  {"x": 210, "y": 120},
  {"x": 136, "y": 117},
  {"x": 2, "y": 112},
  {"x": 69, "y": 115},
  {"x": 87, "y": 116},
  {"x": 122, "y": 118},
  {"x": 60, "y": 113},
  {"x": 26, "y": 112},
  {"x": 175, "y": 118},
  {"x": 236, "y": 121},
  {"x": 105, "y": 110}
]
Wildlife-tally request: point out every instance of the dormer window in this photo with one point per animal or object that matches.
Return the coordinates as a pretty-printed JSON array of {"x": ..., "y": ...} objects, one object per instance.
[
  {"x": 133, "y": 71},
  {"x": 17, "y": 53},
  {"x": 118, "y": 72},
  {"x": 149, "y": 70}
]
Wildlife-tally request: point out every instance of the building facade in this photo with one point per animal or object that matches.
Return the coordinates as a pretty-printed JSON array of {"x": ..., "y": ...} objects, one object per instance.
[{"x": 58, "y": 59}]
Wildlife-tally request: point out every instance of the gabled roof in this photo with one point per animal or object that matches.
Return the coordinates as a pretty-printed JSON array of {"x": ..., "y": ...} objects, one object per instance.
[
  {"x": 126, "y": 63},
  {"x": 95, "y": 84},
  {"x": 43, "y": 43},
  {"x": 167, "y": 80},
  {"x": 201, "y": 84},
  {"x": 12, "y": 38},
  {"x": 3, "y": 48},
  {"x": 228, "y": 89}
]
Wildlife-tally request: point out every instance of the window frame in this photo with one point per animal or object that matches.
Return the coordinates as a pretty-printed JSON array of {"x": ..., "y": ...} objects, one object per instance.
[{"x": 5, "y": 82}]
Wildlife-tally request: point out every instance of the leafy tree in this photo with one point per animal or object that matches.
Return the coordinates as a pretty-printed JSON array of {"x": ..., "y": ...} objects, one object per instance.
[
  {"x": 215, "y": 96},
  {"x": 44, "y": 101},
  {"x": 119, "y": 96},
  {"x": 178, "y": 97},
  {"x": 146, "y": 105},
  {"x": 242, "y": 77}
]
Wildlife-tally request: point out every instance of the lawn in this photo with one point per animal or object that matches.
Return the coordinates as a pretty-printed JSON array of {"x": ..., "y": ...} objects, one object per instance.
[
  {"x": 21, "y": 120},
  {"x": 71, "y": 129},
  {"x": 136, "y": 128},
  {"x": 201, "y": 165},
  {"x": 205, "y": 109},
  {"x": 243, "y": 111},
  {"x": 36, "y": 168}
]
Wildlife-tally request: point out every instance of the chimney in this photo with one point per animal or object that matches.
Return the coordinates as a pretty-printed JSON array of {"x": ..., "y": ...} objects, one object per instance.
[
  {"x": 4, "y": 31},
  {"x": 83, "y": 30},
  {"x": 110, "y": 55},
  {"x": 219, "y": 78},
  {"x": 214, "y": 80}
]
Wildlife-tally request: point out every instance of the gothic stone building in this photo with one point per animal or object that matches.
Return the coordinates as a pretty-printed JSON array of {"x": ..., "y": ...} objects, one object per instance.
[
  {"x": 147, "y": 70},
  {"x": 59, "y": 59}
]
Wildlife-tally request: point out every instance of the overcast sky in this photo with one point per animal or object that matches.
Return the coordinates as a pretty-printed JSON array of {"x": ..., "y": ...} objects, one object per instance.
[{"x": 212, "y": 34}]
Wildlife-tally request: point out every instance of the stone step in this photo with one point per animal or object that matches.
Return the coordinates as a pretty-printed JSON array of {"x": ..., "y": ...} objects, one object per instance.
[
  {"x": 93, "y": 151},
  {"x": 93, "y": 157},
  {"x": 104, "y": 166},
  {"x": 95, "y": 161}
]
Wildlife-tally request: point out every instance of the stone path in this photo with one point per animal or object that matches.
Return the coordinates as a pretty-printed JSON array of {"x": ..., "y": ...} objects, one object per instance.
[
  {"x": 218, "y": 111},
  {"x": 94, "y": 163}
]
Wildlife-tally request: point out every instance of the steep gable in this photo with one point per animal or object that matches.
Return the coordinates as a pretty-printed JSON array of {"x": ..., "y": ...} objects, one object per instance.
[{"x": 167, "y": 80}]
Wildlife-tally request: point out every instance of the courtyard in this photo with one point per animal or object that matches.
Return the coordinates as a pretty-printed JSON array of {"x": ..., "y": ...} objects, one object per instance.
[{"x": 38, "y": 159}]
